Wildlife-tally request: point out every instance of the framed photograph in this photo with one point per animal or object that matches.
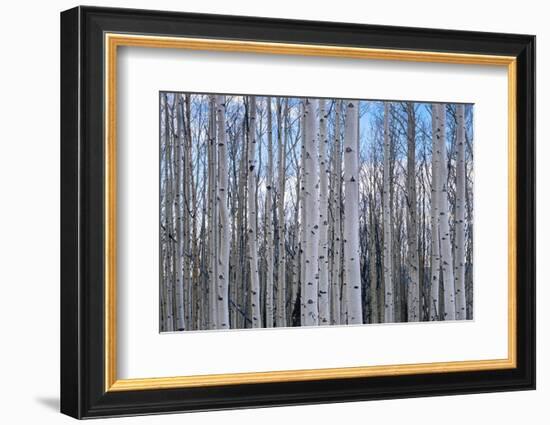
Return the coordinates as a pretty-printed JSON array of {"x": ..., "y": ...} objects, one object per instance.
[{"x": 261, "y": 212}]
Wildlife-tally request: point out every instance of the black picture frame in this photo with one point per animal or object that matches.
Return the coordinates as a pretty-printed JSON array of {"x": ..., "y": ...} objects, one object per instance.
[{"x": 83, "y": 392}]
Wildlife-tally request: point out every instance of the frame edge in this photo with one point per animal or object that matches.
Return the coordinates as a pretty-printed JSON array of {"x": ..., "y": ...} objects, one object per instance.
[{"x": 70, "y": 349}]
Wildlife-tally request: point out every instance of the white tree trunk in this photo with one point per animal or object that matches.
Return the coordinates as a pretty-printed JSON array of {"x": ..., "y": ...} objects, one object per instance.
[
  {"x": 303, "y": 216},
  {"x": 351, "y": 223},
  {"x": 389, "y": 310},
  {"x": 241, "y": 272},
  {"x": 444, "y": 233},
  {"x": 324, "y": 306},
  {"x": 460, "y": 290},
  {"x": 413, "y": 298},
  {"x": 252, "y": 221},
  {"x": 222, "y": 294},
  {"x": 311, "y": 205},
  {"x": 180, "y": 316},
  {"x": 281, "y": 265},
  {"x": 336, "y": 275},
  {"x": 270, "y": 252},
  {"x": 168, "y": 299},
  {"x": 373, "y": 275},
  {"x": 297, "y": 261},
  {"x": 188, "y": 188},
  {"x": 213, "y": 215},
  {"x": 434, "y": 213}
]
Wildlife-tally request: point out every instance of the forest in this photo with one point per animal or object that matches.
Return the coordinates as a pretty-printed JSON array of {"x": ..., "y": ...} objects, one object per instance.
[{"x": 288, "y": 211}]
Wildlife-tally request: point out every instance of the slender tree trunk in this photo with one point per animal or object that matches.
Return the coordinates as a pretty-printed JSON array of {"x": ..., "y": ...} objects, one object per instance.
[
  {"x": 303, "y": 215},
  {"x": 324, "y": 306},
  {"x": 389, "y": 310},
  {"x": 213, "y": 216},
  {"x": 168, "y": 314},
  {"x": 173, "y": 210},
  {"x": 460, "y": 290},
  {"x": 413, "y": 298},
  {"x": 252, "y": 219},
  {"x": 424, "y": 294},
  {"x": 282, "y": 135},
  {"x": 241, "y": 278},
  {"x": 222, "y": 277},
  {"x": 434, "y": 210},
  {"x": 188, "y": 213},
  {"x": 205, "y": 242},
  {"x": 296, "y": 265},
  {"x": 469, "y": 246},
  {"x": 443, "y": 222},
  {"x": 336, "y": 278},
  {"x": 270, "y": 252},
  {"x": 179, "y": 293},
  {"x": 344, "y": 294},
  {"x": 311, "y": 205},
  {"x": 373, "y": 276},
  {"x": 351, "y": 223}
]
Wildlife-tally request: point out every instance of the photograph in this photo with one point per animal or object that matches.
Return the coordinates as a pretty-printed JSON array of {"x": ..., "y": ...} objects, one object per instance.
[{"x": 282, "y": 211}]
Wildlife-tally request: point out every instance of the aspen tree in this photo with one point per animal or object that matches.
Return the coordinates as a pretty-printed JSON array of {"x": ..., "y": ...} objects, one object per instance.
[
  {"x": 459, "y": 267},
  {"x": 252, "y": 219},
  {"x": 389, "y": 310},
  {"x": 352, "y": 274},
  {"x": 336, "y": 274},
  {"x": 296, "y": 306},
  {"x": 222, "y": 289},
  {"x": 303, "y": 215},
  {"x": 282, "y": 136},
  {"x": 270, "y": 252},
  {"x": 324, "y": 306},
  {"x": 311, "y": 206},
  {"x": 443, "y": 218},
  {"x": 434, "y": 215},
  {"x": 168, "y": 294},
  {"x": 413, "y": 298},
  {"x": 187, "y": 207},
  {"x": 179, "y": 292},
  {"x": 212, "y": 215}
]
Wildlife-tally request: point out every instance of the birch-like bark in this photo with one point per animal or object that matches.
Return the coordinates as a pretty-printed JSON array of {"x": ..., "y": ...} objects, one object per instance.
[
  {"x": 213, "y": 215},
  {"x": 282, "y": 135},
  {"x": 270, "y": 252},
  {"x": 373, "y": 273},
  {"x": 459, "y": 266},
  {"x": 324, "y": 306},
  {"x": 351, "y": 223},
  {"x": 252, "y": 219},
  {"x": 303, "y": 215},
  {"x": 311, "y": 205},
  {"x": 205, "y": 237},
  {"x": 443, "y": 221},
  {"x": 174, "y": 209},
  {"x": 413, "y": 298},
  {"x": 434, "y": 312},
  {"x": 222, "y": 293},
  {"x": 241, "y": 275},
  {"x": 296, "y": 264},
  {"x": 336, "y": 273},
  {"x": 389, "y": 309},
  {"x": 179, "y": 292},
  {"x": 168, "y": 301},
  {"x": 188, "y": 188}
]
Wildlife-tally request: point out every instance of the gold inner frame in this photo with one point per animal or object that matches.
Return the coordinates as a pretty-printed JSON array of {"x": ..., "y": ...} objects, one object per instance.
[{"x": 113, "y": 41}]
